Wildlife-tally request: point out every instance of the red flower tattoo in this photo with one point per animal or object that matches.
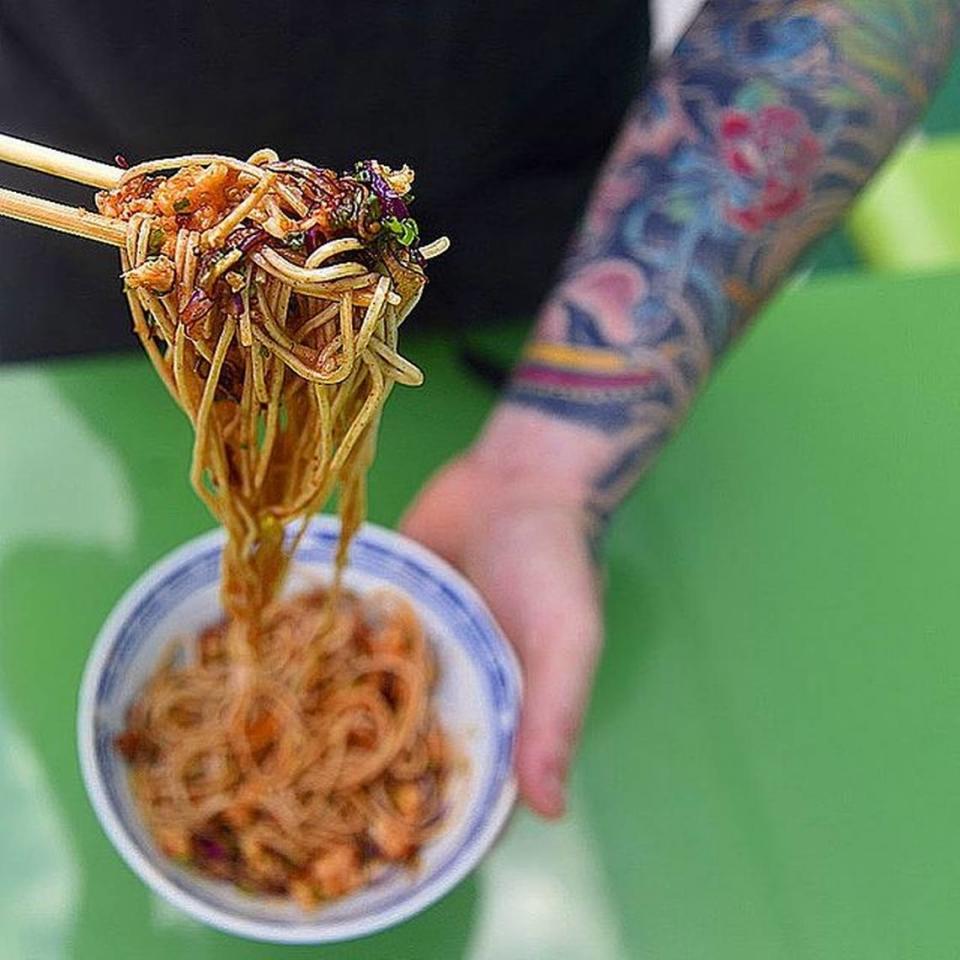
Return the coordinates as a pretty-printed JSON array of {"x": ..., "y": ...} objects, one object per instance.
[{"x": 773, "y": 154}]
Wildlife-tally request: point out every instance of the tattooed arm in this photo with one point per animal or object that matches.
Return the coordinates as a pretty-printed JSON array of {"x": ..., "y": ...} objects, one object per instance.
[{"x": 763, "y": 126}]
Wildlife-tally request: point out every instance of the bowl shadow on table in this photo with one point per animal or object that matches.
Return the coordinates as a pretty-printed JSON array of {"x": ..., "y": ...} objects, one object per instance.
[{"x": 40, "y": 675}]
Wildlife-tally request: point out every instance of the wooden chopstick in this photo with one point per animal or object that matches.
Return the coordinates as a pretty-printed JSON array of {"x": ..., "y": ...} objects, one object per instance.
[
  {"x": 23, "y": 153},
  {"x": 58, "y": 216}
]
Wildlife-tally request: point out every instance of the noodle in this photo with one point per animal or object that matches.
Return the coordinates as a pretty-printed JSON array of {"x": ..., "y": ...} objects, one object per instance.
[
  {"x": 294, "y": 750},
  {"x": 309, "y": 771}
]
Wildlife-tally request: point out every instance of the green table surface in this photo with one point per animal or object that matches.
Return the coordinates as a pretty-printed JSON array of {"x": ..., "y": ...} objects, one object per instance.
[{"x": 770, "y": 768}]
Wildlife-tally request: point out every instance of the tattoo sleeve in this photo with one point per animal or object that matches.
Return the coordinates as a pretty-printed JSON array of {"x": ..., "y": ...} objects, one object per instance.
[{"x": 760, "y": 130}]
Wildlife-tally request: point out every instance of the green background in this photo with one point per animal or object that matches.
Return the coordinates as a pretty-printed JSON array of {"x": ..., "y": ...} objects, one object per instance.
[{"x": 770, "y": 764}]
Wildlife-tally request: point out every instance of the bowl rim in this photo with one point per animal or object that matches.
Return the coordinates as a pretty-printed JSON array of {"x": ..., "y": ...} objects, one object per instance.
[{"x": 310, "y": 931}]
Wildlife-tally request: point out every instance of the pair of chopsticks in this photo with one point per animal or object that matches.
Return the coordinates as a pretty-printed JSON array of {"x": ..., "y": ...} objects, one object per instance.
[{"x": 58, "y": 216}]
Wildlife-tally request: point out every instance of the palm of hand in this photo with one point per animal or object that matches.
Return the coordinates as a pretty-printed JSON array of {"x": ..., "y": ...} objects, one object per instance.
[{"x": 530, "y": 559}]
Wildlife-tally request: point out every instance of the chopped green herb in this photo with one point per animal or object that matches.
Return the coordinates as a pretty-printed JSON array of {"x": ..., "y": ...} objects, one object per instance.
[
  {"x": 374, "y": 205},
  {"x": 182, "y": 205},
  {"x": 155, "y": 241},
  {"x": 264, "y": 352},
  {"x": 261, "y": 429},
  {"x": 345, "y": 212},
  {"x": 404, "y": 231},
  {"x": 296, "y": 240}
]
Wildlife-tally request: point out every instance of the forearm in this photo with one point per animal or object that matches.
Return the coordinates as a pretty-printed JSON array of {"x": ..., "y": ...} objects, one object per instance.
[{"x": 761, "y": 129}]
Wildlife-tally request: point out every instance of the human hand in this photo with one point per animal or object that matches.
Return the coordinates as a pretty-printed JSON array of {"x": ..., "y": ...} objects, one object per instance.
[{"x": 522, "y": 539}]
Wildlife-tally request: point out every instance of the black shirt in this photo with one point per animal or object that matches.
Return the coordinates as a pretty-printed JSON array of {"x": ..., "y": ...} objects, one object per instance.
[{"x": 505, "y": 110}]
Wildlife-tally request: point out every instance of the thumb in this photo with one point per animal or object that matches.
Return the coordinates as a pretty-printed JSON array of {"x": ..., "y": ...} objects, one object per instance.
[
  {"x": 438, "y": 515},
  {"x": 436, "y": 524}
]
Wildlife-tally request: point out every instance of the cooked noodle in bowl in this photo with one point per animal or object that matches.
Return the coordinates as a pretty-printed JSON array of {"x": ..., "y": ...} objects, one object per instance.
[
  {"x": 312, "y": 774},
  {"x": 476, "y": 699}
]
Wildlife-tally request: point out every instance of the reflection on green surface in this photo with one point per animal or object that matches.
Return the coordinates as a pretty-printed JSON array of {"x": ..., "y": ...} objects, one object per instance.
[
  {"x": 38, "y": 911},
  {"x": 769, "y": 767},
  {"x": 545, "y": 896}
]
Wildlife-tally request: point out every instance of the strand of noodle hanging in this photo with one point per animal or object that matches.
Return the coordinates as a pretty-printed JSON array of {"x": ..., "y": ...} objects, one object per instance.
[
  {"x": 259, "y": 308},
  {"x": 295, "y": 749}
]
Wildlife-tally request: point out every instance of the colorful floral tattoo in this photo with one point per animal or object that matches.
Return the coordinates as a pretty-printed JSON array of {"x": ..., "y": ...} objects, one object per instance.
[{"x": 763, "y": 126}]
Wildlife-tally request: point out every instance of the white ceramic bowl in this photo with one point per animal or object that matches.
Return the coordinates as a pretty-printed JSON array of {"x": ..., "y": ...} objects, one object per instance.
[{"x": 478, "y": 698}]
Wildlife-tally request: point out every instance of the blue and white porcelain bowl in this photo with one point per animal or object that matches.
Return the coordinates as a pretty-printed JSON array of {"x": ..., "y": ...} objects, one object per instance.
[{"x": 478, "y": 699}]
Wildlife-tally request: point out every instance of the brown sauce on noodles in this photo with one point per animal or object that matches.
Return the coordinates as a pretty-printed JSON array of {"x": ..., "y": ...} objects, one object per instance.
[{"x": 293, "y": 748}]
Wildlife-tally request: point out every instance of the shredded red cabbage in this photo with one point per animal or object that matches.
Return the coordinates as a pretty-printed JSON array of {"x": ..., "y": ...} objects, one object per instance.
[
  {"x": 198, "y": 306},
  {"x": 246, "y": 239},
  {"x": 391, "y": 202},
  {"x": 313, "y": 238},
  {"x": 210, "y": 849},
  {"x": 235, "y": 305}
]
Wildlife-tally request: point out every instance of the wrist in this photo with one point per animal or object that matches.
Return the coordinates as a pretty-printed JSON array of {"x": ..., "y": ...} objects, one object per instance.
[{"x": 532, "y": 452}]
